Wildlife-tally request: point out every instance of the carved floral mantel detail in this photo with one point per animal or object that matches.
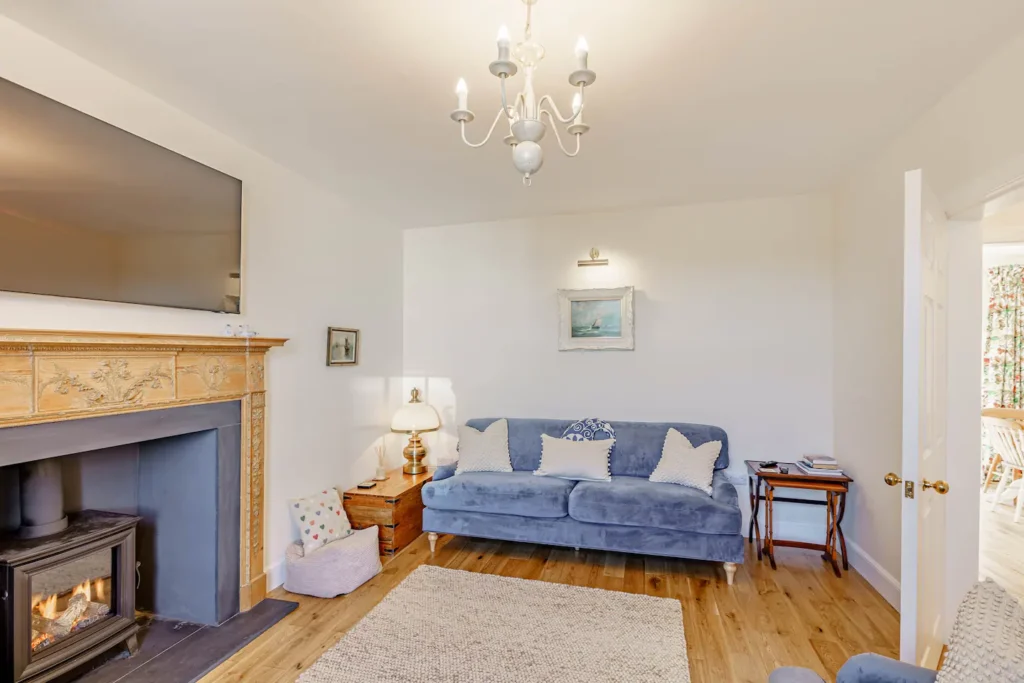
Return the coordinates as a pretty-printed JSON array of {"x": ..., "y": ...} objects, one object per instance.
[
  {"x": 50, "y": 376},
  {"x": 112, "y": 382}
]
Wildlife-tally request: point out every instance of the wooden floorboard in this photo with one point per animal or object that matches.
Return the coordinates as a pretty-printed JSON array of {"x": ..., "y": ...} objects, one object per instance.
[
  {"x": 799, "y": 615},
  {"x": 1002, "y": 547}
]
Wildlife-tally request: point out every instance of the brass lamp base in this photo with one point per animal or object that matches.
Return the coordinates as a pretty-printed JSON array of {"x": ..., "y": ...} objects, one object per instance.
[{"x": 414, "y": 452}]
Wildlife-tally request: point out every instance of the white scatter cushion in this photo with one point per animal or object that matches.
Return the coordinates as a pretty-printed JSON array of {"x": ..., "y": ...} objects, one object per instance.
[
  {"x": 320, "y": 519},
  {"x": 485, "y": 451},
  {"x": 683, "y": 464},
  {"x": 580, "y": 460},
  {"x": 987, "y": 643}
]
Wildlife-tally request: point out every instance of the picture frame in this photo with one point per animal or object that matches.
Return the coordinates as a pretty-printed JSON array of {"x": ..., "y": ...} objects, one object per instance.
[
  {"x": 342, "y": 346},
  {"x": 595, "y": 319}
]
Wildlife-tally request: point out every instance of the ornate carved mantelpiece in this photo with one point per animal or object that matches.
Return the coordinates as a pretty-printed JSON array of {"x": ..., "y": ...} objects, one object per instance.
[{"x": 49, "y": 376}]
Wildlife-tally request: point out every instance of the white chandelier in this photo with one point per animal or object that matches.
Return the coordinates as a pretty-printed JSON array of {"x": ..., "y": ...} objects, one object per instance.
[{"x": 524, "y": 115}]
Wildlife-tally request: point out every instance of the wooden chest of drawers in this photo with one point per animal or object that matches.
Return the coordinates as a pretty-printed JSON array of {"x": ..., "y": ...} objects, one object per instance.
[{"x": 393, "y": 505}]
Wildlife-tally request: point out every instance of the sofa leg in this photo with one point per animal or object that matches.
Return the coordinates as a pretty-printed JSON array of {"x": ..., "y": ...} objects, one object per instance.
[
  {"x": 730, "y": 572},
  {"x": 432, "y": 540}
]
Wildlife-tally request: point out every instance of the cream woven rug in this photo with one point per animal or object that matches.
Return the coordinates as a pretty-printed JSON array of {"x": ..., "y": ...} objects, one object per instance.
[{"x": 450, "y": 626}]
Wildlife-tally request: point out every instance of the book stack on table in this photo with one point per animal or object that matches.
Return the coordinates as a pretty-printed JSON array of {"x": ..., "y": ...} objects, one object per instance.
[{"x": 819, "y": 466}]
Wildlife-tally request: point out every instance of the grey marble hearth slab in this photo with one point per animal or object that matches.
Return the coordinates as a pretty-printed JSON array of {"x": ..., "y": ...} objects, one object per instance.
[{"x": 176, "y": 652}]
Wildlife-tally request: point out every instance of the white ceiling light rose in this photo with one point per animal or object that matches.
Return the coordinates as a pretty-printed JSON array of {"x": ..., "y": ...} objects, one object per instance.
[{"x": 525, "y": 113}]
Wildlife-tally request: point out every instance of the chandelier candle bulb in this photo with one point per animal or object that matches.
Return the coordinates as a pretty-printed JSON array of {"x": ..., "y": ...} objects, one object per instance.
[
  {"x": 503, "y": 44},
  {"x": 463, "y": 92},
  {"x": 582, "y": 53}
]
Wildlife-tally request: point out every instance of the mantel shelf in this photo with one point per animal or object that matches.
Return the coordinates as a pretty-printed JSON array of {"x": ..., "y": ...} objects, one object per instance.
[{"x": 57, "y": 339}]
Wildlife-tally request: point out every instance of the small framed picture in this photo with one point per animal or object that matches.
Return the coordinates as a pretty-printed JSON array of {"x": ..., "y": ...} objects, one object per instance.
[
  {"x": 595, "y": 319},
  {"x": 342, "y": 346}
]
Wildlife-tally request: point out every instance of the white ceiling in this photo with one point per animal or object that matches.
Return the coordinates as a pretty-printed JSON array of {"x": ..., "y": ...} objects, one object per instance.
[
  {"x": 1012, "y": 216},
  {"x": 696, "y": 100}
]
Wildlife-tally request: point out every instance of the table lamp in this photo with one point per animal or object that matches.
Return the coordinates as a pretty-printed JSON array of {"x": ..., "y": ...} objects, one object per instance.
[{"x": 414, "y": 418}]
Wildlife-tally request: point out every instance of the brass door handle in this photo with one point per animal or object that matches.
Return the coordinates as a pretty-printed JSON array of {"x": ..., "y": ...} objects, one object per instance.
[
  {"x": 892, "y": 479},
  {"x": 940, "y": 486}
]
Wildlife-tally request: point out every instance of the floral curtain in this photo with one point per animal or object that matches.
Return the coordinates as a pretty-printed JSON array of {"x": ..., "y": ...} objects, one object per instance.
[{"x": 1004, "y": 339}]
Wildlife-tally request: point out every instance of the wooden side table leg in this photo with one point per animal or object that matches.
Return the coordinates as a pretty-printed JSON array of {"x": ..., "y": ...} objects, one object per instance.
[
  {"x": 754, "y": 516},
  {"x": 839, "y": 530},
  {"x": 828, "y": 523},
  {"x": 830, "y": 546},
  {"x": 769, "y": 524},
  {"x": 750, "y": 491}
]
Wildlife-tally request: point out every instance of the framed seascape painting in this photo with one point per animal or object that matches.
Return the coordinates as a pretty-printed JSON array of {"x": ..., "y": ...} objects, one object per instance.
[
  {"x": 342, "y": 346},
  {"x": 595, "y": 319}
]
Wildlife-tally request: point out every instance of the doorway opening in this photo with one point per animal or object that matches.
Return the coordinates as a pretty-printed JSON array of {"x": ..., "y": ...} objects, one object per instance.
[{"x": 1001, "y": 527}]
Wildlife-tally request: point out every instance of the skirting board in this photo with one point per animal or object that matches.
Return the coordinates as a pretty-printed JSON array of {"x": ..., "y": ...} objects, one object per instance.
[
  {"x": 875, "y": 574},
  {"x": 275, "y": 575}
]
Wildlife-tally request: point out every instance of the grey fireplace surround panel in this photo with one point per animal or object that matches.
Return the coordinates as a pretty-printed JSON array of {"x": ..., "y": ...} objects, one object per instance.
[{"x": 178, "y": 469}]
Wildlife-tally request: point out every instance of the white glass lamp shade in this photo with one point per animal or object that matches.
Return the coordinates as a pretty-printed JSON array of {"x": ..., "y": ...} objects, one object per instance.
[{"x": 415, "y": 416}]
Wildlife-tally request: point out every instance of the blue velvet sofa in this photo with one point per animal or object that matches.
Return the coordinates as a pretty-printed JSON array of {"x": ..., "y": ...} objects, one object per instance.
[{"x": 628, "y": 514}]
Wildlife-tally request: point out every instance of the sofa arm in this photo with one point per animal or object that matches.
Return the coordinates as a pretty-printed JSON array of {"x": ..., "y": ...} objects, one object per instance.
[
  {"x": 872, "y": 668},
  {"x": 444, "y": 471}
]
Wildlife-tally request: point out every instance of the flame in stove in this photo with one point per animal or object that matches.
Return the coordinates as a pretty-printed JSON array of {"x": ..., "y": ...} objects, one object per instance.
[
  {"x": 46, "y": 607},
  {"x": 84, "y": 588},
  {"x": 101, "y": 590}
]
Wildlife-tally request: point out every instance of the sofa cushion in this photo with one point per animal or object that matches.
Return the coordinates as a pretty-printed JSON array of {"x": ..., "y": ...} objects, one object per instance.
[
  {"x": 589, "y": 429},
  {"x": 580, "y": 460},
  {"x": 635, "y": 501},
  {"x": 685, "y": 465},
  {"x": 484, "y": 450},
  {"x": 507, "y": 493}
]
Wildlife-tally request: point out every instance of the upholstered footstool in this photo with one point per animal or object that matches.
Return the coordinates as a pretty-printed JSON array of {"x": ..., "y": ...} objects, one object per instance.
[
  {"x": 794, "y": 674},
  {"x": 336, "y": 568}
]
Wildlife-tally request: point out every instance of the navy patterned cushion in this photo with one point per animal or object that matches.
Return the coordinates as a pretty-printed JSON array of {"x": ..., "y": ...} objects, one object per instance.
[{"x": 590, "y": 429}]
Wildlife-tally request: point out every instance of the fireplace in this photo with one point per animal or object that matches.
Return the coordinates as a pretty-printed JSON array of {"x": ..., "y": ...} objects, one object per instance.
[{"x": 67, "y": 597}]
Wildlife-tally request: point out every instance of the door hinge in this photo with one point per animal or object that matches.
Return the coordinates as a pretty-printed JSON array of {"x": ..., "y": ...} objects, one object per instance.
[{"x": 908, "y": 489}]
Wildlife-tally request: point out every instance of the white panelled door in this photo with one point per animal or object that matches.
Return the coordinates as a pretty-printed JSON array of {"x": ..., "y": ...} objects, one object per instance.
[{"x": 922, "y": 591}]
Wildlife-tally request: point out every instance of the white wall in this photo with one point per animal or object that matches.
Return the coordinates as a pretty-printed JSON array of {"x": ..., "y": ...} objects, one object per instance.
[
  {"x": 968, "y": 144},
  {"x": 305, "y": 268},
  {"x": 733, "y": 321}
]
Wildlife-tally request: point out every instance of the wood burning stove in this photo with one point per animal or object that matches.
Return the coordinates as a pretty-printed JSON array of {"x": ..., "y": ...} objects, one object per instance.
[{"x": 67, "y": 597}]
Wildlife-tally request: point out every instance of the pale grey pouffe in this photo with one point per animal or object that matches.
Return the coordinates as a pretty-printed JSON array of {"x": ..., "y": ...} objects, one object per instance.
[
  {"x": 794, "y": 674},
  {"x": 337, "y": 568}
]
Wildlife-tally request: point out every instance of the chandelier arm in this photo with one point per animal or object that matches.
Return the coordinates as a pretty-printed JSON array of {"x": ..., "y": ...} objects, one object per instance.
[
  {"x": 489, "y": 132},
  {"x": 504, "y": 103},
  {"x": 558, "y": 114},
  {"x": 559, "y": 137}
]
